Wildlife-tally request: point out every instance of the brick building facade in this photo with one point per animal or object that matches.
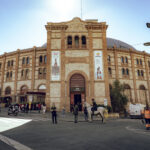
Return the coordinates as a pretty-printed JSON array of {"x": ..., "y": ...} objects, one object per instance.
[{"x": 77, "y": 63}]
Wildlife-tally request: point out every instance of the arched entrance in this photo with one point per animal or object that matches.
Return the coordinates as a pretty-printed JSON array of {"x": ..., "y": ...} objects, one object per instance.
[
  {"x": 23, "y": 94},
  {"x": 127, "y": 92},
  {"x": 77, "y": 90},
  {"x": 142, "y": 93}
]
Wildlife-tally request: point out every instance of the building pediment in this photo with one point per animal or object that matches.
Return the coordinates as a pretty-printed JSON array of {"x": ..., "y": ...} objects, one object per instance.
[{"x": 76, "y": 25}]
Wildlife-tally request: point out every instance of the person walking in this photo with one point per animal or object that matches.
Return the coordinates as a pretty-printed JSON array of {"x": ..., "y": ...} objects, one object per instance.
[
  {"x": 44, "y": 108},
  {"x": 146, "y": 116},
  {"x": 39, "y": 107},
  {"x": 85, "y": 112},
  {"x": 54, "y": 114},
  {"x": 76, "y": 109}
]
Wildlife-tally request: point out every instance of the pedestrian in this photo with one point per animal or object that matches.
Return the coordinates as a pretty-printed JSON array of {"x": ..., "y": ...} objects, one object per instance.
[
  {"x": 146, "y": 116},
  {"x": 85, "y": 112},
  {"x": 94, "y": 106},
  {"x": 76, "y": 109},
  {"x": 54, "y": 114},
  {"x": 71, "y": 108},
  {"x": 44, "y": 108},
  {"x": 39, "y": 107},
  {"x": 63, "y": 112}
]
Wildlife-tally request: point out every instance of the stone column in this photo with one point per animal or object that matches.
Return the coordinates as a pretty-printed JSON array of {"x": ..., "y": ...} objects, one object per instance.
[
  {"x": 147, "y": 78},
  {"x": 33, "y": 68},
  {"x": 133, "y": 75},
  {"x": 48, "y": 70},
  {"x": 16, "y": 71}
]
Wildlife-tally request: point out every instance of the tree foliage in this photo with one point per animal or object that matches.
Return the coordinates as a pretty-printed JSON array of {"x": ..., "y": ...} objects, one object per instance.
[{"x": 118, "y": 99}]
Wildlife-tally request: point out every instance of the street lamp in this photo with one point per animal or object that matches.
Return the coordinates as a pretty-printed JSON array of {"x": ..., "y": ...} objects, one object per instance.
[
  {"x": 147, "y": 43},
  {"x": 148, "y": 25}
]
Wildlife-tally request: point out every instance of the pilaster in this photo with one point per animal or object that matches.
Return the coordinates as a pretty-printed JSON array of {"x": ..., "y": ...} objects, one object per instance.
[{"x": 133, "y": 75}]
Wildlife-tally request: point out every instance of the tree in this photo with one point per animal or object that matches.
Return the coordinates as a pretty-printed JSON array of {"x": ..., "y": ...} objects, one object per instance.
[{"x": 118, "y": 99}]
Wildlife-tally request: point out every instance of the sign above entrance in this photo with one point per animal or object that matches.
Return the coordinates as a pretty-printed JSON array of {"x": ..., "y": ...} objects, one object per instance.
[
  {"x": 98, "y": 65},
  {"x": 55, "y": 65},
  {"x": 77, "y": 89}
]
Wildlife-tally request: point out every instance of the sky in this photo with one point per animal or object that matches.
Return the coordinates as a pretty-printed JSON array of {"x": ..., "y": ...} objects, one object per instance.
[{"x": 22, "y": 22}]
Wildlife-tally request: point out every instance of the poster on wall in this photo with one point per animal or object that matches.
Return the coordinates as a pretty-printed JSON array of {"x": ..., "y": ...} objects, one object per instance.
[
  {"x": 98, "y": 65},
  {"x": 55, "y": 66}
]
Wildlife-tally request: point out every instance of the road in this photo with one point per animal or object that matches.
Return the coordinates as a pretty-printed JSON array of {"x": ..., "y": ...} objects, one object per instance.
[{"x": 115, "y": 134}]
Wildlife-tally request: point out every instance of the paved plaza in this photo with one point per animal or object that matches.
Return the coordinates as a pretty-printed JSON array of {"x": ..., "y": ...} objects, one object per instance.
[{"x": 41, "y": 134}]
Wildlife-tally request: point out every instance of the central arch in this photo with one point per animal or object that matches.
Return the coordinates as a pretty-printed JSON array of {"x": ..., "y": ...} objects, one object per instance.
[{"x": 77, "y": 90}]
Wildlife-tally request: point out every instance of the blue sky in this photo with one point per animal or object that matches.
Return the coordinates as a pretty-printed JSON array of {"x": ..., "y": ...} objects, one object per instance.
[{"x": 22, "y": 22}]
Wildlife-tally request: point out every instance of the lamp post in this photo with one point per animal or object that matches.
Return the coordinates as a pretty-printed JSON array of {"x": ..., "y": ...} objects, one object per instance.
[
  {"x": 148, "y": 25},
  {"x": 147, "y": 43}
]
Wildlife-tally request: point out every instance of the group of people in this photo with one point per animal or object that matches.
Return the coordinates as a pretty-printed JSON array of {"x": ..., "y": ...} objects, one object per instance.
[
  {"x": 75, "y": 110},
  {"x": 28, "y": 107}
]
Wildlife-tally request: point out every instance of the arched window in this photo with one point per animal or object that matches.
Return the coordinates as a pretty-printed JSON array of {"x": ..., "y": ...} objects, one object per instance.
[
  {"x": 12, "y": 63},
  {"x": 11, "y": 75},
  {"x": 45, "y": 59},
  {"x": 8, "y": 91},
  {"x": 23, "y": 89},
  {"x": 7, "y": 75},
  {"x": 69, "y": 41},
  {"x": 22, "y": 73},
  {"x": 42, "y": 88},
  {"x": 127, "y": 71},
  {"x": 109, "y": 71},
  {"x": 137, "y": 61},
  {"x": 109, "y": 58},
  {"x": 127, "y": 91},
  {"x": 142, "y": 73},
  {"x": 8, "y": 64},
  {"x": 126, "y": 60},
  {"x": 83, "y": 41},
  {"x": 23, "y": 60},
  {"x": 76, "y": 41},
  {"x": 138, "y": 72},
  {"x": 44, "y": 73},
  {"x": 27, "y": 73},
  {"x": 140, "y": 62},
  {"x": 149, "y": 64},
  {"x": 40, "y": 73},
  {"x": 28, "y": 60},
  {"x": 123, "y": 71},
  {"x": 0, "y": 66},
  {"x": 142, "y": 93},
  {"x": 122, "y": 59},
  {"x": 40, "y": 59}
]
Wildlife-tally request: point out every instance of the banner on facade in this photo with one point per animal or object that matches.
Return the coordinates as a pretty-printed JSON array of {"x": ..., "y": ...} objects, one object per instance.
[
  {"x": 55, "y": 65},
  {"x": 98, "y": 65}
]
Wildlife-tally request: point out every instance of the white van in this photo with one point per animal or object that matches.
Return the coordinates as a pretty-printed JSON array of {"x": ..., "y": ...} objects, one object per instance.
[{"x": 135, "y": 110}]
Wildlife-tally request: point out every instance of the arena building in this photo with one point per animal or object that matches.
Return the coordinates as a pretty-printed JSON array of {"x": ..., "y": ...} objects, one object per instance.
[{"x": 77, "y": 63}]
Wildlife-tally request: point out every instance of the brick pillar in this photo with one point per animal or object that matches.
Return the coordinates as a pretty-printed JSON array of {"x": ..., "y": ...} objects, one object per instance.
[
  {"x": 147, "y": 78},
  {"x": 91, "y": 65},
  {"x": 133, "y": 75},
  {"x": 33, "y": 68},
  {"x": 48, "y": 70},
  {"x": 3, "y": 74}
]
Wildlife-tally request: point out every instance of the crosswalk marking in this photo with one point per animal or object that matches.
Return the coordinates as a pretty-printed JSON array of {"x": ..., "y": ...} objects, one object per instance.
[{"x": 10, "y": 123}]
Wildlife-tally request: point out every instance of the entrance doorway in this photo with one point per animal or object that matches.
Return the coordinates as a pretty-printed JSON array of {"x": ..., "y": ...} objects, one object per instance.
[
  {"x": 77, "y": 91},
  {"x": 78, "y": 101}
]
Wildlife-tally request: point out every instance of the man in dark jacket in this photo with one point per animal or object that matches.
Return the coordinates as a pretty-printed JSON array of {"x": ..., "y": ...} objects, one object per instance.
[
  {"x": 76, "y": 109},
  {"x": 54, "y": 114},
  {"x": 94, "y": 108}
]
